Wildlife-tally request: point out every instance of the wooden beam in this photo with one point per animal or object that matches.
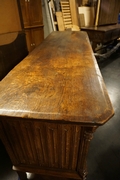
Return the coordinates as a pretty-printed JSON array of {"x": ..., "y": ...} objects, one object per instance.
[
  {"x": 60, "y": 21},
  {"x": 74, "y": 12}
]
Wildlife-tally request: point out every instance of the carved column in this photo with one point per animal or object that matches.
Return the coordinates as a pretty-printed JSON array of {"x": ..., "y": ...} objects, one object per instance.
[{"x": 87, "y": 135}]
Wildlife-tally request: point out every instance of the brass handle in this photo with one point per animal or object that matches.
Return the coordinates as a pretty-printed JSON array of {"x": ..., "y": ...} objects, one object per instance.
[{"x": 33, "y": 44}]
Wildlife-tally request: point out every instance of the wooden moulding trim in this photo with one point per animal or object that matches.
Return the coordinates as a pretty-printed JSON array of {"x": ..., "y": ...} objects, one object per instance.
[
  {"x": 53, "y": 172},
  {"x": 35, "y": 26}
]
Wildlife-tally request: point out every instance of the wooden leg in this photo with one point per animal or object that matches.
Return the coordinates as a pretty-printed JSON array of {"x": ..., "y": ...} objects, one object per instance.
[
  {"x": 87, "y": 134},
  {"x": 22, "y": 175}
]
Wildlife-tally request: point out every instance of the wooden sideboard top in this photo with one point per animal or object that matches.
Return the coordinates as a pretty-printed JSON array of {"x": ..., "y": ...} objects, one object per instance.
[
  {"x": 59, "y": 80},
  {"x": 102, "y": 28}
]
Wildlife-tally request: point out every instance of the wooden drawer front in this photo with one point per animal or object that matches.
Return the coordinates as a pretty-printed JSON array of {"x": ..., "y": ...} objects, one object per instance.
[
  {"x": 108, "y": 36},
  {"x": 111, "y": 35},
  {"x": 42, "y": 144},
  {"x": 115, "y": 34},
  {"x": 96, "y": 36}
]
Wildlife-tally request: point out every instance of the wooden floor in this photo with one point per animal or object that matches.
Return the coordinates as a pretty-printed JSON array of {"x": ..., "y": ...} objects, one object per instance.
[{"x": 104, "y": 153}]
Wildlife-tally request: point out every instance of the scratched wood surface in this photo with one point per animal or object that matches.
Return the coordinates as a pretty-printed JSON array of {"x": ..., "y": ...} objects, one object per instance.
[{"x": 59, "y": 80}]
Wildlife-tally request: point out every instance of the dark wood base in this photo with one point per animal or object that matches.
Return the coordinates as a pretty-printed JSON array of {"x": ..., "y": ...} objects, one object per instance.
[{"x": 102, "y": 34}]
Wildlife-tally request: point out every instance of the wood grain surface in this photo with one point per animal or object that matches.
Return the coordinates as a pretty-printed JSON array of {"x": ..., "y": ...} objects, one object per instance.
[{"x": 59, "y": 80}]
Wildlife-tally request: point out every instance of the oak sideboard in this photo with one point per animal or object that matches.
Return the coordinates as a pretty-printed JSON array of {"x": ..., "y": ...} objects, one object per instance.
[{"x": 50, "y": 105}]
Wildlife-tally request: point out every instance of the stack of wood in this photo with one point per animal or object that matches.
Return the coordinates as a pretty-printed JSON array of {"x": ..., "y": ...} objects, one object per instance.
[
  {"x": 74, "y": 14},
  {"x": 67, "y": 17}
]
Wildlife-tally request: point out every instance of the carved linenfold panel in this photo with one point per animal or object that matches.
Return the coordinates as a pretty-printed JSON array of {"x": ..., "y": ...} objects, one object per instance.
[
  {"x": 7, "y": 145},
  {"x": 52, "y": 136},
  {"x": 70, "y": 138},
  {"x": 43, "y": 144},
  {"x": 57, "y": 144},
  {"x": 15, "y": 139}
]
